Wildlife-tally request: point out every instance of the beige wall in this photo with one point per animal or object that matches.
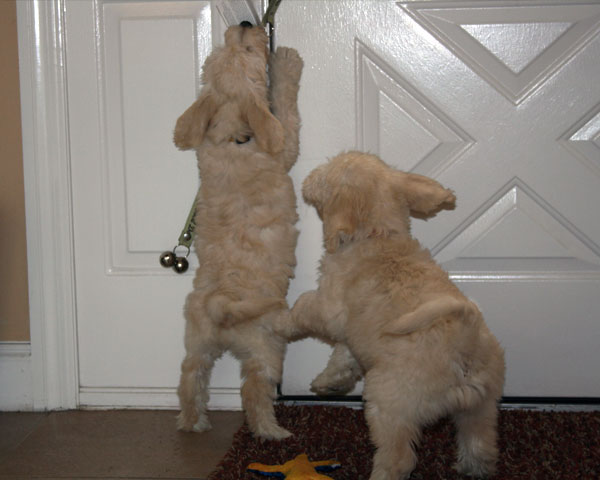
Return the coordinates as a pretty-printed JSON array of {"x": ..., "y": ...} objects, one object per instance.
[{"x": 14, "y": 308}]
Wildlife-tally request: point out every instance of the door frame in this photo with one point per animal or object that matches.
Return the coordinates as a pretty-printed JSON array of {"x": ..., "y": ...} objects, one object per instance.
[{"x": 48, "y": 204}]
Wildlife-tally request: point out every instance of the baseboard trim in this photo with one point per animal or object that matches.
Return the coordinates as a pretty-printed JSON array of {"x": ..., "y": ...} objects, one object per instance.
[
  {"x": 16, "y": 378},
  {"x": 552, "y": 404},
  {"x": 159, "y": 398}
]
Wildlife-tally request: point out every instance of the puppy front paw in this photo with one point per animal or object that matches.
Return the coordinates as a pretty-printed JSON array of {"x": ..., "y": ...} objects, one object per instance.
[
  {"x": 340, "y": 384},
  {"x": 272, "y": 432},
  {"x": 286, "y": 64}
]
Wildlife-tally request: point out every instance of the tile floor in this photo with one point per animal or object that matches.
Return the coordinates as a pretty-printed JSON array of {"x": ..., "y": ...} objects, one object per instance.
[{"x": 117, "y": 444}]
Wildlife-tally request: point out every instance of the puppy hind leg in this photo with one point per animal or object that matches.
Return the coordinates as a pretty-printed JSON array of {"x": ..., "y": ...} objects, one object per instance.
[
  {"x": 193, "y": 390},
  {"x": 392, "y": 431},
  {"x": 477, "y": 439},
  {"x": 340, "y": 375},
  {"x": 262, "y": 372},
  {"x": 395, "y": 457}
]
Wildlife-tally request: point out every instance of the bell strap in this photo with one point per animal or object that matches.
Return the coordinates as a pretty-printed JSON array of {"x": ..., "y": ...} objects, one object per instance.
[
  {"x": 187, "y": 234},
  {"x": 269, "y": 16}
]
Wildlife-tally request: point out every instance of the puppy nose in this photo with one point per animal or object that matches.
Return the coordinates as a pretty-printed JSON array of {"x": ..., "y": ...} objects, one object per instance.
[{"x": 246, "y": 24}]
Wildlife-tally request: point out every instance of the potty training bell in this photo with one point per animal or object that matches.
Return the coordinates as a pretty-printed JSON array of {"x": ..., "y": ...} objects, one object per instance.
[
  {"x": 167, "y": 259},
  {"x": 170, "y": 259}
]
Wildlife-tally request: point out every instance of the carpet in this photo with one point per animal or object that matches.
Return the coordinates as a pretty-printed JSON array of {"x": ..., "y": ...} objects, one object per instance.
[{"x": 533, "y": 445}]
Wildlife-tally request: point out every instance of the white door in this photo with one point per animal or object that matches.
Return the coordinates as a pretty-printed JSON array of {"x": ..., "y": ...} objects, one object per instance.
[{"x": 494, "y": 99}]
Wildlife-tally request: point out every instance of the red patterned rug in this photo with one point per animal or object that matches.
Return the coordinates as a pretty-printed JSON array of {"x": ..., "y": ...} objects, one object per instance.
[{"x": 533, "y": 445}]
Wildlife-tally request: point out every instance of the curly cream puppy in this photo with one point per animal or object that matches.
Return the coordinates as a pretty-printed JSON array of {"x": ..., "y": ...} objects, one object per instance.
[
  {"x": 245, "y": 219},
  {"x": 423, "y": 347}
]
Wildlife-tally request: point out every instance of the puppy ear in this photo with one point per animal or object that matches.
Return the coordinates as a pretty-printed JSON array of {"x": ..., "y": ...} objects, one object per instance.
[
  {"x": 267, "y": 129},
  {"x": 338, "y": 229},
  {"x": 425, "y": 196},
  {"x": 314, "y": 188},
  {"x": 346, "y": 212},
  {"x": 193, "y": 123}
]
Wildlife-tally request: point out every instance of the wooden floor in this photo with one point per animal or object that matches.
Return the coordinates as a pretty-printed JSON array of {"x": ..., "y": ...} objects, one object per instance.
[{"x": 113, "y": 444}]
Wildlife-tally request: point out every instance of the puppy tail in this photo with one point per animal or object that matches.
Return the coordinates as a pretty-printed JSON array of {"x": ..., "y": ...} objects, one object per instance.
[
  {"x": 225, "y": 310},
  {"x": 424, "y": 315}
]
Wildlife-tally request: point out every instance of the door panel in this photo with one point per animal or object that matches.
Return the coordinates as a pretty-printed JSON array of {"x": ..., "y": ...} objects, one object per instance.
[{"x": 495, "y": 100}]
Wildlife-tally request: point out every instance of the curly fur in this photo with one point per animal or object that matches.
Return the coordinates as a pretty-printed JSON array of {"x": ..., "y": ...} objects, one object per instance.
[
  {"x": 423, "y": 347},
  {"x": 245, "y": 219}
]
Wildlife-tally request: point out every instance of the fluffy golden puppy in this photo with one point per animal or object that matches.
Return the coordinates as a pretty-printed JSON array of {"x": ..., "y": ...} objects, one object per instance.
[
  {"x": 245, "y": 219},
  {"x": 422, "y": 346}
]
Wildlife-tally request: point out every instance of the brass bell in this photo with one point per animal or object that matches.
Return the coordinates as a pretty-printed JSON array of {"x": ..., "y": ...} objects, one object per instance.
[
  {"x": 167, "y": 259},
  {"x": 181, "y": 264}
]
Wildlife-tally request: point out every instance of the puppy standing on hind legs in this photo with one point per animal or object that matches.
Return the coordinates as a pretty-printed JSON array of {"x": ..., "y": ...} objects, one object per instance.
[
  {"x": 245, "y": 219},
  {"x": 423, "y": 346}
]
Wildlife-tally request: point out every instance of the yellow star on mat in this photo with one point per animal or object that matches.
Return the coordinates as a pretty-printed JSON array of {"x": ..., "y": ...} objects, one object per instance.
[{"x": 300, "y": 468}]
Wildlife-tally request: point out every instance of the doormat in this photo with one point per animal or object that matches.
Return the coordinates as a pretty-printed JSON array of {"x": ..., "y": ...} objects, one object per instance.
[{"x": 533, "y": 445}]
